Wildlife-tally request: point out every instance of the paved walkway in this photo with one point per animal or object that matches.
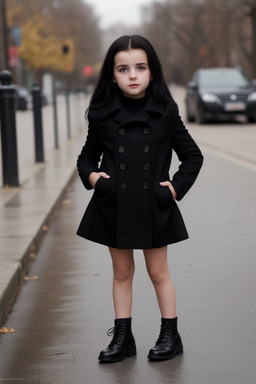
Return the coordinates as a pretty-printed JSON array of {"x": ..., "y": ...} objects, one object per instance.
[
  {"x": 62, "y": 314},
  {"x": 216, "y": 281},
  {"x": 25, "y": 212}
]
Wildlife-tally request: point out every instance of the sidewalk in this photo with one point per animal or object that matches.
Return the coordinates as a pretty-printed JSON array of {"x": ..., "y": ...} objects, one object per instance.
[
  {"x": 25, "y": 214},
  {"x": 63, "y": 311}
]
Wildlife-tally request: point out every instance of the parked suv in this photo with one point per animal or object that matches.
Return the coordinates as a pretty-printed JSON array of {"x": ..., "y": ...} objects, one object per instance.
[{"x": 219, "y": 93}]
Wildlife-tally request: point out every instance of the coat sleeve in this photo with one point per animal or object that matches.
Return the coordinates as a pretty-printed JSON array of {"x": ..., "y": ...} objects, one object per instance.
[
  {"x": 89, "y": 158},
  {"x": 189, "y": 155}
]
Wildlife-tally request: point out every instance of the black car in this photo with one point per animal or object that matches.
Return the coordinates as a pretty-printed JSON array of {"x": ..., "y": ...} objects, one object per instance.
[{"x": 220, "y": 93}]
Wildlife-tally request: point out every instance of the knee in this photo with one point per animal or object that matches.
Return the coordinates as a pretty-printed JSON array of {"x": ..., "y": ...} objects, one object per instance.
[
  {"x": 157, "y": 276},
  {"x": 124, "y": 273}
]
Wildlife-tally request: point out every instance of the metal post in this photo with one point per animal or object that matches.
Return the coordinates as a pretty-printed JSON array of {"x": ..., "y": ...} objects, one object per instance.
[
  {"x": 55, "y": 116},
  {"x": 65, "y": 51},
  {"x": 8, "y": 131},
  {"x": 68, "y": 114},
  {"x": 38, "y": 129}
]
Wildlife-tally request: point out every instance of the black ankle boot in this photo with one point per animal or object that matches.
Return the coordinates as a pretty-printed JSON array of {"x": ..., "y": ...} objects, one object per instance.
[
  {"x": 169, "y": 343},
  {"x": 122, "y": 344}
]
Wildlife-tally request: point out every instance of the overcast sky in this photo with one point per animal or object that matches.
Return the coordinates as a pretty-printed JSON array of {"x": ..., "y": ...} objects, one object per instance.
[{"x": 114, "y": 11}]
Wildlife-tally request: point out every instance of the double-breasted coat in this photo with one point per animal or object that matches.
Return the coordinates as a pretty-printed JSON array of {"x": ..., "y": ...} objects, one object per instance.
[{"x": 131, "y": 210}]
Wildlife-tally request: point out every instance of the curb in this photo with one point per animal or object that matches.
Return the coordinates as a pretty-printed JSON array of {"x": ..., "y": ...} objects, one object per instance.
[
  {"x": 233, "y": 156},
  {"x": 26, "y": 216},
  {"x": 12, "y": 289}
]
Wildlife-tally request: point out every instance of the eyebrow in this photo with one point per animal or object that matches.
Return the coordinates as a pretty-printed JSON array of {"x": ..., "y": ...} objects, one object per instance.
[{"x": 126, "y": 65}]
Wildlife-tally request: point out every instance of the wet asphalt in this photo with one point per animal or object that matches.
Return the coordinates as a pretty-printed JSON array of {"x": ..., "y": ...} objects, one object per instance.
[{"x": 62, "y": 314}]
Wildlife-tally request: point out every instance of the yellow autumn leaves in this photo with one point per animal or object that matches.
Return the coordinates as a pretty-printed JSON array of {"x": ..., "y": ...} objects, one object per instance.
[
  {"x": 44, "y": 27},
  {"x": 7, "y": 330},
  {"x": 41, "y": 49}
]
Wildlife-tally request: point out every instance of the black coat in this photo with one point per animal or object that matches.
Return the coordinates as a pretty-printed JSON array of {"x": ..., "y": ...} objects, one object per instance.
[{"x": 130, "y": 210}]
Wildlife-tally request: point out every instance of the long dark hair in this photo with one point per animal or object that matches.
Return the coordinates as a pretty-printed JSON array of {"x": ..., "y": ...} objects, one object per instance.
[{"x": 105, "y": 85}]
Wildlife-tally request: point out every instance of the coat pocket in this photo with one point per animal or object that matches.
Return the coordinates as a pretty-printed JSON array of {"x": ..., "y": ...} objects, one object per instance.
[
  {"x": 103, "y": 187},
  {"x": 164, "y": 196}
]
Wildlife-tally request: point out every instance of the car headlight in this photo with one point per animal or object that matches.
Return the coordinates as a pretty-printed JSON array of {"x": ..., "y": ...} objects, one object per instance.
[
  {"x": 252, "y": 96},
  {"x": 210, "y": 98}
]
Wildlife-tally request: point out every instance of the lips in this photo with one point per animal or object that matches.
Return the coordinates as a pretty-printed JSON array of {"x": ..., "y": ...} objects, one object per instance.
[{"x": 133, "y": 85}]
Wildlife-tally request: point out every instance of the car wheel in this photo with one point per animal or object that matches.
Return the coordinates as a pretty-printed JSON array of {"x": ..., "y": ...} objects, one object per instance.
[
  {"x": 189, "y": 117},
  {"x": 251, "y": 119},
  {"x": 200, "y": 117}
]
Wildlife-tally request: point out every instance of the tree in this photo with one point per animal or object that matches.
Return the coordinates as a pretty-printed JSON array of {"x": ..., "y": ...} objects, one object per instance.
[
  {"x": 41, "y": 49},
  {"x": 47, "y": 25},
  {"x": 245, "y": 13},
  {"x": 175, "y": 29},
  {"x": 202, "y": 33}
]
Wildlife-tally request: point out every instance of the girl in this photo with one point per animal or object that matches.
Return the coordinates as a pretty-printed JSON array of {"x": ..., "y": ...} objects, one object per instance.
[{"x": 134, "y": 125}]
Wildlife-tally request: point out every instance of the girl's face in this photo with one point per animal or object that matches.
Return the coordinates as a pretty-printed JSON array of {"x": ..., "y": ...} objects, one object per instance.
[{"x": 131, "y": 72}]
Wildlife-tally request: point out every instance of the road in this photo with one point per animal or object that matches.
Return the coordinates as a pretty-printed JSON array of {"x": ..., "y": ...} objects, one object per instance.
[{"x": 64, "y": 310}]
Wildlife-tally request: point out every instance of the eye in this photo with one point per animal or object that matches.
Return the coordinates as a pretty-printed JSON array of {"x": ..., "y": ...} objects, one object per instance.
[
  {"x": 123, "y": 70},
  {"x": 141, "y": 68}
]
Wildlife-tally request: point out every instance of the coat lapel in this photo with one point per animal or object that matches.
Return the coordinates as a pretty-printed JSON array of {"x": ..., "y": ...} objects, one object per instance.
[{"x": 124, "y": 116}]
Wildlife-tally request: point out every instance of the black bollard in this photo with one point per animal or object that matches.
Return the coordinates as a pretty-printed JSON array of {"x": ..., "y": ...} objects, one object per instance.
[
  {"x": 8, "y": 131},
  {"x": 68, "y": 115},
  {"x": 65, "y": 51},
  {"x": 38, "y": 126},
  {"x": 55, "y": 115}
]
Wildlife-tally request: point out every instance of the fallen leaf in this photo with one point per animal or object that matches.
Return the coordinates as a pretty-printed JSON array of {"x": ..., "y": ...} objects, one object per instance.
[
  {"x": 7, "y": 330},
  {"x": 33, "y": 248},
  {"x": 66, "y": 202},
  {"x": 30, "y": 277},
  {"x": 45, "y": 228}
]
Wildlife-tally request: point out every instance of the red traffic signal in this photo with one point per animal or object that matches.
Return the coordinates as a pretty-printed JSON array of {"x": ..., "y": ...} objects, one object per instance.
[{"x": 88, "y": 70}]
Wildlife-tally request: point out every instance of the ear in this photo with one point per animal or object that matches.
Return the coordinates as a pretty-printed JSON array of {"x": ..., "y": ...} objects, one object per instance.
[{"x": 114, "y": 80}]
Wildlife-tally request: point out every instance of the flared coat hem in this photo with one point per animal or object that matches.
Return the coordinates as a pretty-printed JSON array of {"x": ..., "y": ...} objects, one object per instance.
[{"x": 136, "y": 246}]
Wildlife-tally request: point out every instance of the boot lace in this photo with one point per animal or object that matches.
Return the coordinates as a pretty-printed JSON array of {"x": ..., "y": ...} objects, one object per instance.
[
  {"x": 118, "y": 334},
  {"x": 111, "y": 331},
  {"x": 164, "y": 336}
]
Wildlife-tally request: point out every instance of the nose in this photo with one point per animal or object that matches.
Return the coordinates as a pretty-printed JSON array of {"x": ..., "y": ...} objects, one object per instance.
[{"x": 133, "y": 74}]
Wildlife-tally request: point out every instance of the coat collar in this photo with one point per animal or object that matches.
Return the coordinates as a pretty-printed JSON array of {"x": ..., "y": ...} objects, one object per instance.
[{"x": 124, "y": 116}]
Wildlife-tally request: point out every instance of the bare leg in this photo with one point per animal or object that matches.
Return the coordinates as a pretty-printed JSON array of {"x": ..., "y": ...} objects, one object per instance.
[
  {"x": 157, "y": 267},
  {"x": 123, "y": 272}
]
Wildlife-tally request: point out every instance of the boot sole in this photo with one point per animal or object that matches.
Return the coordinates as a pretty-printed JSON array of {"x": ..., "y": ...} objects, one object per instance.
[
  {"x": 166, "y": 357},
  {"x": 131, "y": 351}
]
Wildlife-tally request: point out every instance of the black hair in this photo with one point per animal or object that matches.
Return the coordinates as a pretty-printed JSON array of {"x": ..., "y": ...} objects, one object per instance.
[{"x": 105, "y": 85}]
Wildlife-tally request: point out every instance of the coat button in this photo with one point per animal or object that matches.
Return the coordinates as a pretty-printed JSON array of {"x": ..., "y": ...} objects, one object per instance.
[
  {"x": 123, "y": 185},
  {"x": 146, "y": 148},
  {"x": 121, "y": 131},
  {"x": 145, "y": 186},
  {"x": 146, "y": 166},
  {"x": 121, "y": 149},
  {"x": 122, "y": 166},
  {"x": 146, "y": 130}
]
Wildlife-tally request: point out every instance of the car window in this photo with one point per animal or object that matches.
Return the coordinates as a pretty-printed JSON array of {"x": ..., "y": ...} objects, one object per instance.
[
  {"x": 223, "y": 78},
  {"x": 195, "y": 77},
  {"x": 22, "y": 92}
]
